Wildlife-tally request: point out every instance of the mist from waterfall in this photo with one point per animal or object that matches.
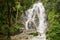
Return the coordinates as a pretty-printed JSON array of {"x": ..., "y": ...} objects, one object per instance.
[{"x": 39, "y": 10}]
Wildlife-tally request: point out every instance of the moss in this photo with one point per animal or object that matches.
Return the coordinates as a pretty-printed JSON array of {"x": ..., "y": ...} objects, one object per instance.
[{"x": 34, "y": 33}]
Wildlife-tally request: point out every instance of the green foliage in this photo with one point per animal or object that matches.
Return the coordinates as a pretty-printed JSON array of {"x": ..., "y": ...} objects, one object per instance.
[
  {"x": 20, "y": 5},
  {"x": 53, "y": 32}
]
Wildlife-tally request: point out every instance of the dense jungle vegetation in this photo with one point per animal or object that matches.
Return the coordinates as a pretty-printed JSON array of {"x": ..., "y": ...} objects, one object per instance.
[{"x": 11, "y": 11}]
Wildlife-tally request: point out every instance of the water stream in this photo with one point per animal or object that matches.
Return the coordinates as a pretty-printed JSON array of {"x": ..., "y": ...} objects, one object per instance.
[{"x": 39, "y": 10}]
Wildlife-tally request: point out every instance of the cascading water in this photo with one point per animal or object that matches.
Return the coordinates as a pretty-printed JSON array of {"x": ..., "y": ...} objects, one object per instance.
[{"x": 39, "y": 10}]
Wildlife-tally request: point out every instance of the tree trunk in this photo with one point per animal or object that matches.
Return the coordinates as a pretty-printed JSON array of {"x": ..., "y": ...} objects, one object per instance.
[
  {"x": 16, "y": 17},
  {"x": 9, "y": 19}
]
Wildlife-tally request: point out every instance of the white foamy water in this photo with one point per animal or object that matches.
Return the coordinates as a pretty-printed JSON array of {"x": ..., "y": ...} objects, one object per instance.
[{"x": 39, "y": 10}]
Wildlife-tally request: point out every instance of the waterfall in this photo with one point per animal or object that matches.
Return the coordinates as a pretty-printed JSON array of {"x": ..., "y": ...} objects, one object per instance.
[{"x": 39, "y": 10}]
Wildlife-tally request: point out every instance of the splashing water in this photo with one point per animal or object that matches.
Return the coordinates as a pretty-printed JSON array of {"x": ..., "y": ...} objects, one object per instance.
[{"x": 39, "y": 10}]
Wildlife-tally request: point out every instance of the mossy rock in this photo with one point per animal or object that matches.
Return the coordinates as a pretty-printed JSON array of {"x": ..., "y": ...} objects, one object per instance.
[{"x": 34, "y": 33}]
